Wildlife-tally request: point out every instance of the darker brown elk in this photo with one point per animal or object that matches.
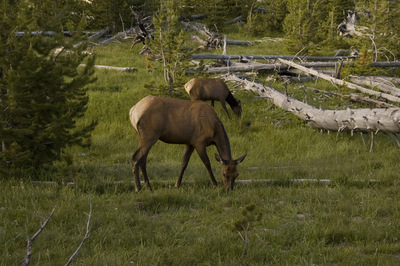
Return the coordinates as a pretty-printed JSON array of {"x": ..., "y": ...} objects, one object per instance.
[
  {"x": 208, "y": 89},
  {"x": 192, "y": 123}
]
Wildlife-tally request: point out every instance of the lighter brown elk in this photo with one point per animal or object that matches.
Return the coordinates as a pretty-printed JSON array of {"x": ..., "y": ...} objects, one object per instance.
[
  {"x": 213, "y": 89},
  {"x": 194, "y": 124}
]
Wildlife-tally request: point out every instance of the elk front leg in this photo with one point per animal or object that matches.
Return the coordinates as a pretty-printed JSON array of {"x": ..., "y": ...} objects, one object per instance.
[
  {"x": 203, "y": 156},
  {"x": 224, "y": 107},
  {"x": 185, "y": 160}
]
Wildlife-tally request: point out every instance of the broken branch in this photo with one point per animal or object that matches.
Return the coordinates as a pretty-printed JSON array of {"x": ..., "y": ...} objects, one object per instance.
[
  {"x": 87, "y": 235},
  {"x": 30, "y": 240}
]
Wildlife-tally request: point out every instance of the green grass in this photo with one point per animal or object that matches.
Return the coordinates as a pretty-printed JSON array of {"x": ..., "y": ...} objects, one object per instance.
[
  {"x": 305, "y": 224},
  {"x": 350, "y": 221}
]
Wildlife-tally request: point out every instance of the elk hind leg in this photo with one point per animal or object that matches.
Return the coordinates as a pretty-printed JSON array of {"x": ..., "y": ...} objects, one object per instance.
[
  {"x": 143, "y": 167},
  {"x": 185, "y": 160},
  {"x": 136, "y": 161},
  {"x": 139, "y": 159}
]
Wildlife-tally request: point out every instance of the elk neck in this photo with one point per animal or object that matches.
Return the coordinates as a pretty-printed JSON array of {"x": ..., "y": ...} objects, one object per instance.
[
  {"x": 221, "y": 141},
  {"x": 231, "y": 100}
]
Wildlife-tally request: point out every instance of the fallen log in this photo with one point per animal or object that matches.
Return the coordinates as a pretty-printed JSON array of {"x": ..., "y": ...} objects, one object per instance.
[
  {"x": 237, "y": 42},
  {"x": 198, "y": 16},
  {"x": 375, "y": 83},
  {"x": 358, "y": 98},
  {"x": 386, "y": 120},
  {"x": 268, "y": 57},
  {"x": 95, "y": 36},
  {"x": 237, "y": 19},
  {"x": 386, "y": 64},
  {"x": 210, "y": 36},
  {"x": 341, "y": 82},
  {"x": 388, "y": 80},
  {"x": 354, "y": 98},
  {"x": 50, "y": 33},
  {"x": 99, "y": 34},
  {"x": 119, "y": 36},
  {"x": 242, "y": 68},
  {"x": 123, "y": 69},
  {"x": 44, "y": 33},
  {"x": 254, "y": 66}
]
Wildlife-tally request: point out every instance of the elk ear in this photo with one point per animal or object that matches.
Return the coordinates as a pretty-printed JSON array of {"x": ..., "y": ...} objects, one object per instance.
[
  {"x": 219, "y": 159},
  {"x": 240, "y": 159}
]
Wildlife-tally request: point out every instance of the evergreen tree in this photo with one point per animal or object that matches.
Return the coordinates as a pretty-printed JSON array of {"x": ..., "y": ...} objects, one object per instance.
[
  {"x": 276, "y": 13},
  {"x": 169, "y": 44},
  {"x": 42, "y": 93},
  {"x": 110, "y": 14},
  {"x": 255, "y": 21},
  {"x": 308, "y": 23},
  {"x": 217, "y": 14},
  {"x": 265, "y": 17},
  {"x": 117, "y": 14},
  {"x": 49, "y": 15},
  {"x": 382, "y": 32},
  {"x": 337, "y": 10}
]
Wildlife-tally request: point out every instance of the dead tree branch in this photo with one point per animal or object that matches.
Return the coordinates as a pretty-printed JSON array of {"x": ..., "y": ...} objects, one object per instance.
[
  {"x": 87, "y": 235},
  {"x": 30, "y": 240},
  {"x": 354, "y": 98},
  {"x": 245, "y": 238},
  {"x": 375, "y": 83}
]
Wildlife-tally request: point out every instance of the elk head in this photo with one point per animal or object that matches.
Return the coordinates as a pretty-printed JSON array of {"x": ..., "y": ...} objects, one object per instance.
[
  {"x": 229, "y": 170},
  {"x": 237, "y": 109}
]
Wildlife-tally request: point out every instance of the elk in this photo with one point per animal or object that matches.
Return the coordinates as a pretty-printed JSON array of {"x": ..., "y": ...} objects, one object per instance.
[
  {"x": 176, "y": 121},
  {"x": 208, "y": 89}
]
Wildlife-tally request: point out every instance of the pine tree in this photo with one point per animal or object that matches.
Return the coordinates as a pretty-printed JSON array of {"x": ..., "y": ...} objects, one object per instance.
[
  {"x": 42, "y": 93},
  {"x": 382, "y": 28},
  {"x": 169, "y": 44},
  {"x": 255, "y": 22},
  {"x": 308, "y": 23},
  {"x": 265, "y": 17},
  {"x": 297, "y": 24},
  {"x": 117, "y": 14}
]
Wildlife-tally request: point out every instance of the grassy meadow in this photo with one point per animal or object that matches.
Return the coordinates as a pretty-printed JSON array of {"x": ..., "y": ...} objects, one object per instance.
[{"x": 352, "y": 220}]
